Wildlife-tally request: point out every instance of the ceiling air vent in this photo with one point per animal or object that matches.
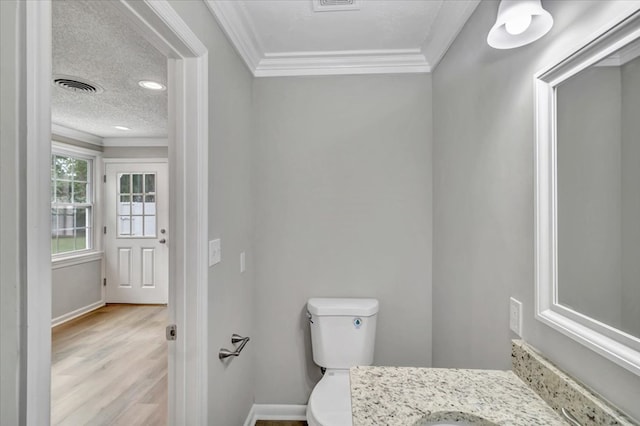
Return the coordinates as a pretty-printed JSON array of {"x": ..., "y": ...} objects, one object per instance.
[
  {"x": 76, "y": 84},
  {"x": 335, "y": 5}
]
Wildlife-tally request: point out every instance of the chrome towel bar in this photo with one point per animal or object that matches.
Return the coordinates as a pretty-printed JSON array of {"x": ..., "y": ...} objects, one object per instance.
[{"x": 235, "y": 338}]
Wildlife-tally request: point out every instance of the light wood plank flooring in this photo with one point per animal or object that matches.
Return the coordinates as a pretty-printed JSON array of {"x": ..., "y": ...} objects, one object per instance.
[{"x": 109, "y": 367}]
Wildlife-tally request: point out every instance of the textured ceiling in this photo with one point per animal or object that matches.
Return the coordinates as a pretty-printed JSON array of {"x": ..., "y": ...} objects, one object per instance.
[
  {"x": 92, "y": 41},
  {"x": 293, "y": 26},
  {"x": 291, "y": 37}
]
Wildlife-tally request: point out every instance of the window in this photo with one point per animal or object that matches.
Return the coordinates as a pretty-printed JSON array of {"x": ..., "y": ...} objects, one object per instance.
[{"x": 71, "y": 204}]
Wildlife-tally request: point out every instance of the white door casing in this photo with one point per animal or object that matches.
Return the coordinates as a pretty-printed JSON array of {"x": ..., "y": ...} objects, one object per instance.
[{"x": 137, "y": 234}]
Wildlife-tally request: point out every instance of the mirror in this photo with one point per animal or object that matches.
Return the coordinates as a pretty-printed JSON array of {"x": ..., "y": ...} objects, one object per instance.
[
  {"x": 588, "y": 194},
  {"x": 598, "y": 190}
]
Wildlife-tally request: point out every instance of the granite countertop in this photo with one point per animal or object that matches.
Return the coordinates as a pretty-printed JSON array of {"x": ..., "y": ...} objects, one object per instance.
[{"x": 418, "y": 396}]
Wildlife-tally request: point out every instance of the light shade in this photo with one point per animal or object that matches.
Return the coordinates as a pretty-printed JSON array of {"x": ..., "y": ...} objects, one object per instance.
[{"x": 519, "y": 22}]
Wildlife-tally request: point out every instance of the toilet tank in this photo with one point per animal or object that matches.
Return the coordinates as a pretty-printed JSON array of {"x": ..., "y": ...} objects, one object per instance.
[{"x": 343, "y": 331}]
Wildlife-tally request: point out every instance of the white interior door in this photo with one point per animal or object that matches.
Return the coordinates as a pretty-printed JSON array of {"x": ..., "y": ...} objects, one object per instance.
[{"x": 136, "y": 234}]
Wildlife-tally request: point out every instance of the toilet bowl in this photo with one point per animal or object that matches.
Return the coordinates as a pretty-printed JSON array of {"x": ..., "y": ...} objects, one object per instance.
[
  {"x": 342, "y": 336},
  {"x": 330, "y": 401}
]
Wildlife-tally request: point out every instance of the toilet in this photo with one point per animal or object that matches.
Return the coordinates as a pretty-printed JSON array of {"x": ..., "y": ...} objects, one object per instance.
[{"x": 343, "y": 334}]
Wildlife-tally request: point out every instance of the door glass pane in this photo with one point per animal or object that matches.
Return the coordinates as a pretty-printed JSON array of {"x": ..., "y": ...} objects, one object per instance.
[
  {"x": 136, "y": 226},
  {"x": 150, "y": 183},
  {"x": 149, "y": 226},
  {"x": 124, "y": 226},
  {"x": 136, "y": 205},
  {"x": 150, "y": 205},
  {"x": 124, "y": 206},
  {"x": 137, "y": 183},
  {"x": 125, "y": 183}
]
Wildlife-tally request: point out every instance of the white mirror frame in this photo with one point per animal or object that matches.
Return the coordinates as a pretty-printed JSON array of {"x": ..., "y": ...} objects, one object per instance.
[{"x": 615, "y": 345}]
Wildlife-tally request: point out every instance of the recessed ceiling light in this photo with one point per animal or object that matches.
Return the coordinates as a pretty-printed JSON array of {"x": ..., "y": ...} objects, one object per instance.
[
  {"x": 152, "y": 85},
  {"x": 122, "y": 128}
]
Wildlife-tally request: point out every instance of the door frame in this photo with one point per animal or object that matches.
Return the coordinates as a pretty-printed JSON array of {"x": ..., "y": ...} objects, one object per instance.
[{"x": 188, "y": 135}]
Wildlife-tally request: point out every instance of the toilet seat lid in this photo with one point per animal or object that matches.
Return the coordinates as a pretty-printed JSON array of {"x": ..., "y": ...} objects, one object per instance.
[{"x": 330, "y": 401}]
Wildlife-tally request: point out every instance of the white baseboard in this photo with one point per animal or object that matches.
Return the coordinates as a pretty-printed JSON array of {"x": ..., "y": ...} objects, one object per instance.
[
  {"x": 275, "y": 412},
  {"x": 75, "y": 314}
]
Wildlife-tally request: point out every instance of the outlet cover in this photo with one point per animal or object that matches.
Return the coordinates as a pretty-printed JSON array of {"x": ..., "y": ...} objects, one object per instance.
[{"x": 515, "y": 316}]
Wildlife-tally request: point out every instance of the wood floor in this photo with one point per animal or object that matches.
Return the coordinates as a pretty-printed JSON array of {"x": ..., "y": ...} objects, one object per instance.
[{"x": 110, "y": 368}]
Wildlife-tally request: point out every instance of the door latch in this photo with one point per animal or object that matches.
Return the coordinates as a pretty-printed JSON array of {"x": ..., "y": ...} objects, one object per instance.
[{"x": 172, "y": 332}]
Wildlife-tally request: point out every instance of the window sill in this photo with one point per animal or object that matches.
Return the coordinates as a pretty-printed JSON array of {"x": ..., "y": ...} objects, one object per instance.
[{"x": 76, "y": 259}]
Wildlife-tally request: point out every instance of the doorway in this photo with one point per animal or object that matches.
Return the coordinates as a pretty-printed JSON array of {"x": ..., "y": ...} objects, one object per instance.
[
  {"x": 188, "y": 153},
  {"x": 136, "y": 233}
]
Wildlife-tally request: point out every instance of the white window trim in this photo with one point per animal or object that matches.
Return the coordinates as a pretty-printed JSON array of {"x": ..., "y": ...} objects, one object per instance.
[
  {"x": 78, "y": 259},
  {"x": 97, "y": 170}
]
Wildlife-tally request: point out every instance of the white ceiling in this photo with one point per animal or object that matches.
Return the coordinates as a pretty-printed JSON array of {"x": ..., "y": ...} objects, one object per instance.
[
  {"x": 275, "y": 37},
  {"x": 287, "y": 37},
  {"x": 92, "y": 41}
]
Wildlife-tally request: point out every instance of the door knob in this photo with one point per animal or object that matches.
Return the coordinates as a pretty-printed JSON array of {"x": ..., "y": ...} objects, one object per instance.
[{"x": 162, "y": 241}]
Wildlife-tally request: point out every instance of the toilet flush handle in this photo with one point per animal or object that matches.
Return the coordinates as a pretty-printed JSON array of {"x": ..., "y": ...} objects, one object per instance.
[{"x": 310, "y": 317}]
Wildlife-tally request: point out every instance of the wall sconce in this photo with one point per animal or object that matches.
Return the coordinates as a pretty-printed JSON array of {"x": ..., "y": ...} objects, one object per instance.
[{"x": 519, "y": 22}]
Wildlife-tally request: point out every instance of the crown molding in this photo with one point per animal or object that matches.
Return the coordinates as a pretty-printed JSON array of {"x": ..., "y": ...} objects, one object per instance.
[
  {"x": 336, "y": 63},
  {"x": 238, "y": 26},
  {"x": 446, "y": 27},
  {"x": 67, "y": 132},
  {"x": 135, "y": 142}
]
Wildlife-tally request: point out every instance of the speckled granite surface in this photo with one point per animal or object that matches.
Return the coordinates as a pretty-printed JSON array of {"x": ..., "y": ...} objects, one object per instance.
[
  {"x": 418, "y": 396},
  {"x": 561, "y": 391}
]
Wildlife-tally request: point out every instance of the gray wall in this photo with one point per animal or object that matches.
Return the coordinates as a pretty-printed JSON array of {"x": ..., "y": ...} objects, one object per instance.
[
  {"x": 135, "y": 152},
  {"x": 343, "y": 192},
  {"x": 12, "y": 230},
  {"x": 75, "y": 287},
  {"x": 631, "y": 199},
  {"x": 230, "y": 217},
  {"x": 483, "y": 200},
  {"x": 589, "y": 193}
]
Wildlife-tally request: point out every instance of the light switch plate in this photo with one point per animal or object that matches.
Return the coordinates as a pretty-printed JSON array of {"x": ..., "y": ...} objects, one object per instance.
[
  {"x": 515, "y": 316},
  {"x": 215, "y": 252},
  {"x": 243, "y": 265}
]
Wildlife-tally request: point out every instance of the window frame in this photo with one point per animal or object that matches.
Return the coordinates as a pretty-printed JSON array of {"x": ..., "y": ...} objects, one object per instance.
[{"x": 95, "y": 190}]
